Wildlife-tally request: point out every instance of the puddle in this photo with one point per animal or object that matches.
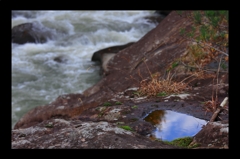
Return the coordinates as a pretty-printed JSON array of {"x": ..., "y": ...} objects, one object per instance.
[{"x": 171, "y": 125}]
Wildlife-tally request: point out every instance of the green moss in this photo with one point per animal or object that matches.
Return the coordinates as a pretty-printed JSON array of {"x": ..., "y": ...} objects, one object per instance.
[
  {"x": 49, "y": 125},
  {"x": 180, "y": 142},
  {"x": 161, "y": 94},
  {"x": 107, "y": 104},
  {"x": 194, "y": 145},
  {"x": 126, "y": 127},
  {"x": 137, "y": 93},
  {"x": 134, "y": 107},
  {"x": 118, "y": 103}
]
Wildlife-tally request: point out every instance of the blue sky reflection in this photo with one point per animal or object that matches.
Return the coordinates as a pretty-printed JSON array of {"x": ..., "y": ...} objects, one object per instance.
[{"x": 177, "y": 125}]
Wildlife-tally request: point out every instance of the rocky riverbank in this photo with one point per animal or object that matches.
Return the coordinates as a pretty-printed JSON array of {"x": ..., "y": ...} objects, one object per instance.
[{"x": 95, "y": 119}]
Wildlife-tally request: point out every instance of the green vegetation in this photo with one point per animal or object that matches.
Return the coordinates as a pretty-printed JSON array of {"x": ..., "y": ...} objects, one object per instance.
[
  {"x": 137, "y": 93},
  {"x": 162, "y": 94},
  {"x": 223, "y": 66},
  {"x": 107, "y": 104},
  {"x": 194, "y": 145},
  {"x": 134, "y": 107},
  {"x": 209, "y": 35},
  {"x": 100, "y": 114},
  {"x": 49, "y": 125},
  {"x": 174, "y": 64},
  {"x": 118, "y": 103},
  {"x": 180, "y": 142},
  {"x": 125, "y": 127}
]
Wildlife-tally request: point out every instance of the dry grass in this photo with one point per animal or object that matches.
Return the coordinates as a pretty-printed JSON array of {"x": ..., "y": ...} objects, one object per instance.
[{"x": 155, "y": 86}]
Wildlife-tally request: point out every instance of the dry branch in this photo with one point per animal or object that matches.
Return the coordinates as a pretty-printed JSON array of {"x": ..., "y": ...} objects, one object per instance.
[{"x": 215, "y": 114}]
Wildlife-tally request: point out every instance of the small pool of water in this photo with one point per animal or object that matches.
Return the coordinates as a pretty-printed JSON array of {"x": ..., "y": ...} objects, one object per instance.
[{"x": 171, "y": 125}]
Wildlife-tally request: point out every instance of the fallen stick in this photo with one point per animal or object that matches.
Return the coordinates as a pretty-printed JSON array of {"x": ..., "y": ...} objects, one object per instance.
[{"x": 215, "y": 114}]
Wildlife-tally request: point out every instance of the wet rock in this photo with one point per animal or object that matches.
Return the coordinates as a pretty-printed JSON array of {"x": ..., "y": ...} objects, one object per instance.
[
  {"x": 30, "y": 33},
  {"x": 104, "y": 55},
  {"x": 60, "y": 59},
  {"x": 97, "y": 56}
]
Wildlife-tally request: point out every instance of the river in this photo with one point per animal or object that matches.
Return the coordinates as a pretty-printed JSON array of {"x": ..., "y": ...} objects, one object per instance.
[{"x": 38, "y": 79}]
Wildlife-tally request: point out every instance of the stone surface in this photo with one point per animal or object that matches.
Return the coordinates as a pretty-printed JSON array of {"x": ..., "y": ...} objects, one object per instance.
[
  {"x": 30, "y": 33},
  {"x": 214, "y": 135},
  {"x": 80, "y": 135}
]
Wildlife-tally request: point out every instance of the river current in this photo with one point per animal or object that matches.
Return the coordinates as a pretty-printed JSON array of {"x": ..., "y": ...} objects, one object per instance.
[{"x": 38, "y": 79}]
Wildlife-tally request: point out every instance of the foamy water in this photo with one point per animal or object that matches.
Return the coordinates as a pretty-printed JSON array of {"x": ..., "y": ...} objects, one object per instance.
[{"x": 37, "y": 79}]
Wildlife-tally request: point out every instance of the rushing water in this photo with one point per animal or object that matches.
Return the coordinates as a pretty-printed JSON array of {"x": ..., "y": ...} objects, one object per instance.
[
  {"x": 171, "y": 125},
  {"x": 38, "y": 79}
]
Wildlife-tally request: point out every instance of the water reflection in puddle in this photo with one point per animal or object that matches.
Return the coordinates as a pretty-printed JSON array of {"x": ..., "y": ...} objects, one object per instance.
[{"x": 171, "y": 125}]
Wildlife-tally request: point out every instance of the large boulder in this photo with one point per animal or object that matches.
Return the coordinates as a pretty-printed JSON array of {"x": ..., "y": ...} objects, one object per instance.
[
  {"x": 97, "y": 56},
  {"x": 104, "y": 55},
  {"x": 30, "y": 33}
]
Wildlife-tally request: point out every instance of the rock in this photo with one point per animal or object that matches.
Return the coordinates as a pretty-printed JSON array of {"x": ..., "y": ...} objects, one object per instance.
[
  {"x": 163, "y": 12},
  {"x": 97, "y": 56},
  {"x": 104, "y": 55},
  {"x": 30, "y": 33},
  {"x": 105, "y": 59},
  {"x": 77, "y": 135},
  {"x": 60, "y": 59},
  {"x": 214, "y": 134},
  {"x": 142, "y": 127}
]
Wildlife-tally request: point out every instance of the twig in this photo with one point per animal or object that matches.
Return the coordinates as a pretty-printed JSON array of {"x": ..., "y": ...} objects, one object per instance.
[{"x": 215, "y": 114}]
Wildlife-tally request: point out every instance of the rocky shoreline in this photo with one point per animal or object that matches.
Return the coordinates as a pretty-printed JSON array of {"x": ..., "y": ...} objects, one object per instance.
[{"x": 86, "y": 121}]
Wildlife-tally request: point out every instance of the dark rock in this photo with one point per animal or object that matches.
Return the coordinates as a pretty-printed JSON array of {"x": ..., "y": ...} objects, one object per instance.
[
  {"x": 104, "y": 55},
  {"x": 163, "y": 12},
  {"x": 30, "y": 33},
  {"x": 60, "y": 59},
  {"x": 97, "y": 56}
]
